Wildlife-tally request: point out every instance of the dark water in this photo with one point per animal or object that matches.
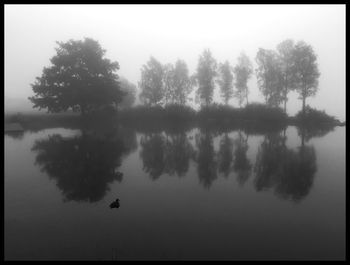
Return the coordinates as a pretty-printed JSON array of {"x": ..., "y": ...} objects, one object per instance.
[{"x": 188, "y": 195}]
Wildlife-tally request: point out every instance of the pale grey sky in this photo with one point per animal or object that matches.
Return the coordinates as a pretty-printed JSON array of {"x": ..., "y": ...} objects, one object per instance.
[{"x": 132, "y": 33}]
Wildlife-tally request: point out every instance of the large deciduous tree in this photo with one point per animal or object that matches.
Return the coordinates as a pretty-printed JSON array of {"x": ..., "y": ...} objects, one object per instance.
[
  {"x": 225, "y": 81},
  {"x": 80, "y": 79},
  {"x": 306, "y": 70},
  {"x": 152, "y": 83},
  {"x": 286, "y": 51},
  {"x": 269, "y": 76},
  {"x": 206, "y": 72},
  {"x": 243, "y": 71}
]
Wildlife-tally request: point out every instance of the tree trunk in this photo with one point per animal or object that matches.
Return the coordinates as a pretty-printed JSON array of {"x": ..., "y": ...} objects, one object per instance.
[
  {"x": 304, "y": 98},
  {"x": 285, "y": 106},
  {"x": 302, "y": 136}
]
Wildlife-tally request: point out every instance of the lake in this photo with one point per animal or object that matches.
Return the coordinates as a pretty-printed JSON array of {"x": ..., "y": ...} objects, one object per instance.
[{"x": 193, "y": 194}]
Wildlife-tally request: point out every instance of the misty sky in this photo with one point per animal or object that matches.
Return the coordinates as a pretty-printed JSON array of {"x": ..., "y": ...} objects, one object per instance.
[{"x": 132, "y": 33}]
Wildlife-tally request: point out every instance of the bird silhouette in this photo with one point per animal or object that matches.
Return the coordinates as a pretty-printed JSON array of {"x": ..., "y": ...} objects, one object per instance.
[{"x": 114, "y": 204}]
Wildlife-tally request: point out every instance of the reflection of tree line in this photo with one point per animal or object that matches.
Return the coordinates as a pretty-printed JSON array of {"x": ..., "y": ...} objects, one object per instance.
[
  {"x": 85, "y": 165},
  {"x": 165, "y": 154},
  {"x": 171, "y": 154},
  {"x": 288, "y": 172}
]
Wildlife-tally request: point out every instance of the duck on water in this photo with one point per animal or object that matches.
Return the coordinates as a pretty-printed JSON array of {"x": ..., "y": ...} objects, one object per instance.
[{"x": 114, "y": 204}]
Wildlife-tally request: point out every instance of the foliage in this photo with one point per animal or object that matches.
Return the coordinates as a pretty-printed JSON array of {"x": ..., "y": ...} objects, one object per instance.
[
  {"x": 152, "y": 83},
  {"x": 269, "y": 76},
  {"x": 178, "y": 83},
  {"x": 243, "y": 71},
  {"x": 314, "y": 123},
  {"x": 217, "y": 113},
  {"x": 80, "y": 79},
  {"x": 314, "y": 116},
  {"x": 262, "y": 113},
  {"x": 286, "y": 53},
  {"x": 172, "y": 117},
  {"x": 36, "y": 122},
  {"x": 176, "y": 112},
  {"x": 225, "y": 81},
  {"x": 206, "y": 72},
  {"x": 307, "y": 71}
]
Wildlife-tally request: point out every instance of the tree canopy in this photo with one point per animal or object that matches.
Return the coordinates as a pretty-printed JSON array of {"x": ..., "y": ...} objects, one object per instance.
[
  {"x": 206, "y": 72},
  {"x": 152, "y": 82},
  {"x": 178, "y": 83},
  {"x": 286, "y": 52},
  {"x": 269, "y": 76},
  {"x": 306, "y": 70},
  {"x": 243, "y": 71},
  {"x": 226, "y": 81},
  {"x": 80, "y": 79}
]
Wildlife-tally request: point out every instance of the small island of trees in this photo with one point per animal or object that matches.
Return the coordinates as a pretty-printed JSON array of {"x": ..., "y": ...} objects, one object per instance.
[{"x": 80, "y": 79}]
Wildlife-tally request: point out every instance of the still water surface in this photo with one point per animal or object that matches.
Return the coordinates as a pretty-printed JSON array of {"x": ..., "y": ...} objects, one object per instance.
[{"x": 188, "y": 195}]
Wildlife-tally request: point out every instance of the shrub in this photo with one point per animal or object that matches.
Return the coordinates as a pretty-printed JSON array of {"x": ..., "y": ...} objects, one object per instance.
[
  {"x": 263, "y": 113},
  {"x": 314, "y": 116},
  {"x": 218, "y": 113},
  {"x": 177, "y": 113}
]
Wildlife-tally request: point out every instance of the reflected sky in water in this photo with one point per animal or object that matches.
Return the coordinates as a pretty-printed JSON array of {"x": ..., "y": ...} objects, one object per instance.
[{"x": 194, "y": 194}]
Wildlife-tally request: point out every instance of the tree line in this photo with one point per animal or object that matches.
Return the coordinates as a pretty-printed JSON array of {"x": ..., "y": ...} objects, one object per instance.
[
  {"x": 82, "y": 79},
  {"x": 291, "y": 67}
]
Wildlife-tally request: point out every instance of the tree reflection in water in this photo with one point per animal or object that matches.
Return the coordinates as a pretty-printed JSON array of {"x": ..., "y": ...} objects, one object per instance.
[
  {"x": 268, "y": 161},
  {"x": 170, "y": 154},
  {"x": 153, "y": 154},
  {"x": 206, "y": 159},
  {"x": 241, "y": 163},
  {"x": 290, "y": 173},
  {"x": 225, "y": 155},
  {"x": 83, "y": 166},
  {"x": 178, "y": 153}
]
